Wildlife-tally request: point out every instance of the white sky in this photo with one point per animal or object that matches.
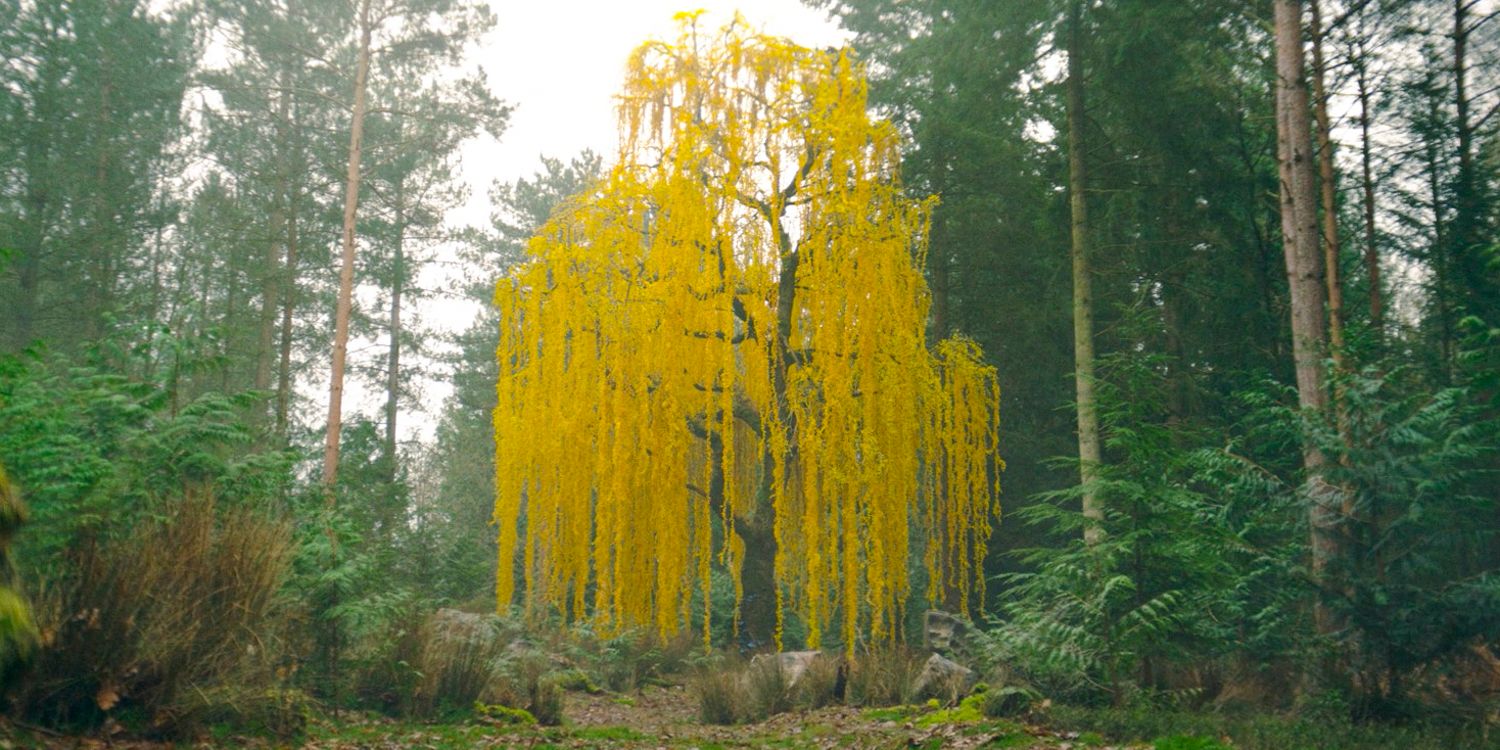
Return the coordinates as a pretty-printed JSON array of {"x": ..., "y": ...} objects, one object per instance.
[{"x": 560, "y": 64}]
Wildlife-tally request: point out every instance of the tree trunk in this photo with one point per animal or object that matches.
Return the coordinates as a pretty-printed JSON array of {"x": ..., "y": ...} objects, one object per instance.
[
  {"x": 1328, "y": 193},
  {"x": 1372, "y": 251},
  {"x": 273, "y": 277},
  {"x": 346, "y": 269},
  {"x": 1464, "y": 203},
  {"x": 1299, "y": 228},
  {"x": 1441, "y": 257},
  {"x": 1083, "y": 294},
  {"x": 393, "y": 360},
  {"x": 288, "y": 305}
]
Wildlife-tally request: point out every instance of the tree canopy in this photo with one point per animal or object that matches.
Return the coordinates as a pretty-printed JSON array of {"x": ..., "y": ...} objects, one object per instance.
[{"x": 729, "y": 331}]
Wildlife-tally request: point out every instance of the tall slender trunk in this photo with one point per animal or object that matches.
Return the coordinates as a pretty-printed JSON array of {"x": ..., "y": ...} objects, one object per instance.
[
  {"x": 1465, "y": 131},
  {"x": 288, "y": 305},
  {"x": 1372, "y": 250},
  {"x": 273, "y": 277},
  {"x": 1299, "y": 228},
  {"x": 29, "y": 265},
  {"x": 1441, "y": 270},
  {"x": 393, "y": 360},
  {"x": 1470, "y": 260},
  {"x": 1328, "y": 192},
  {"x": 346, "y": 269},
  {"x": 1083, "y": 292}
]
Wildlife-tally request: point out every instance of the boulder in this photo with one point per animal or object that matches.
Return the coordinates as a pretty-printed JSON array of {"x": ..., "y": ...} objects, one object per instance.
[
  {"x": 793, "y": 664},
  {"x": 944, "y": 678},
  {"x": 943, "y": 631}
]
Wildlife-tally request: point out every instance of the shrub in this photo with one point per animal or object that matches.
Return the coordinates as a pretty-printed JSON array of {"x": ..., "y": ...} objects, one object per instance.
[
  {"x": 821, "y": 683},
  {"x": 181, "y": 604},
  {"x": 18, "y": 634},
  {"x": 883, "y": 676},
  {"x": 527, "y": 681},
  {"x": 460, "y": 657},
  {"x": 768, "y": 687},
  {"x": 721, "y": 693}
]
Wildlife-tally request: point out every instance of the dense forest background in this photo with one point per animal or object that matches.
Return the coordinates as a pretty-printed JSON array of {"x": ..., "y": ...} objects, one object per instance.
[{"x": 170, "y": 259}]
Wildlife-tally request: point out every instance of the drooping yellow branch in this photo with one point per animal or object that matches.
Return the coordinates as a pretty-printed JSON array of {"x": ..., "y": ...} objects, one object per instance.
[{"x": 730, "y": 325}]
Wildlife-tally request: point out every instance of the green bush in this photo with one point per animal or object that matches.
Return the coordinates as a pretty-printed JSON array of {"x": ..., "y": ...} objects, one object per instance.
[{"x": 18, "y": 632}]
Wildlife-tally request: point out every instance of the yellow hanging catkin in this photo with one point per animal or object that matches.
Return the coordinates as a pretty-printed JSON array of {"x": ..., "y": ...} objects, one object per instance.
[{"x": 740, "y": 297}]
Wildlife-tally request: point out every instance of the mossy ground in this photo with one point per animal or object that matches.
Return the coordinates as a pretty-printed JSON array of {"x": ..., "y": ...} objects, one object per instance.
[{"x": 666, "y": 717}]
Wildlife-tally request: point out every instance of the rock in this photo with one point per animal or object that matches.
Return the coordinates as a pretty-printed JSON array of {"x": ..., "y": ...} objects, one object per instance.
[
  {"x": 943, "y": 631},
  {"x": 943, "y": 678},
  {"x": 791, "y": 663}
]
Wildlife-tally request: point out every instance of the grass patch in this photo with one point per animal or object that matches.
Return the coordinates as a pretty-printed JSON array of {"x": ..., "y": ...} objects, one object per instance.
[
  {"x": 609, "y": 734},
  {"x": 1148, "y": 724}
]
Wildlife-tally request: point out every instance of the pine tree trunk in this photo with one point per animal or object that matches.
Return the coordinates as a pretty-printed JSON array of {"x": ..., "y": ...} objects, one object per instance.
[
  {"x": 1328, "y": 193},
  {"x": 1442, "y": 281},
  {"x": 1372, "y": 250},
  {"x": 288, "y": 306},
  {"x": 1083, "y": 295},
  {"x": 273, "y": 277},
  {"x": 346, "y": 269},
  {"x": 1464, "y": 219},
  {"x": 393, "y": 360},
  {"x": 1299, "y": 228}
]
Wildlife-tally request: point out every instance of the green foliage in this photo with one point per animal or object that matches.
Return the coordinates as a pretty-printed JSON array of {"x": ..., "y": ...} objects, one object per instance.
[
  {"x": 1089, "y": 620},
  {"x": 1418, "y": 579},
  {"x": 1188, "y": 742},
  {"x": 1144, "y": 722},
  {"x": 504, "y": 714},
  {"x": 97, "y": 450},
  {"x": 970, "y": 710},
  {"x": 18, "y": 631}
]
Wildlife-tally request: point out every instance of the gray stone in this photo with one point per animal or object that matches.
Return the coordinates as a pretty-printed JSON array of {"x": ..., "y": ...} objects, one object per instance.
[
  {"x": 943, "y": 678},
  {"x": 943, "y": 631},
  {"x": 791, "y": 663}
]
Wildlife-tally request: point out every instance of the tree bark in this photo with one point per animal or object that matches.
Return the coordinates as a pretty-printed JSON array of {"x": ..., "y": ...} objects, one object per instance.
[
  {"x": 1328, "y": 193},
  {"x": 393, "y": 359},
  {"x": 1441, "y": 256},
  {"x": 1083, "y": 294},
  {"x": 288, "y": 305},
  {"x": 272, "y": 275},
  {"x": 346, "y": 269},
  {"x": 1299, "y": 227},
  {"x": 1372, "y": 250}
]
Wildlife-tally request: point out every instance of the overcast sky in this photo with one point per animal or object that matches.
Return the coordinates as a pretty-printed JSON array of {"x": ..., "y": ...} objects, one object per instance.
[{"x": 561, "y": 64}]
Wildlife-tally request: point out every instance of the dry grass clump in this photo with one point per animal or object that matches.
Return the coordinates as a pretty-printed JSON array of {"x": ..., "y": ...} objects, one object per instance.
[
  {"x": 178, "y": 606},
  {"x": 821, "y": 684},
  {"x": 722, "y": 693},
  {"x": 734, "y": 692},
  {"x": 883, "y": 676},
  {"x": 528, "y": 680},
  {"x": 466, "y": 659},
  {"x": 459, "y": 657}
]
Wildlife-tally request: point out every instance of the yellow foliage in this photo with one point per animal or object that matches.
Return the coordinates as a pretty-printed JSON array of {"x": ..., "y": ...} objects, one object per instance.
[{"x": 740, "y": 298}]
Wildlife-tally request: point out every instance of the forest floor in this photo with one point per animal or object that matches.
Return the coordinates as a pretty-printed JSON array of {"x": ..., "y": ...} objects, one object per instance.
[
  {"x": 666, "y": 717},
  {"x": 652, "y": 717}
]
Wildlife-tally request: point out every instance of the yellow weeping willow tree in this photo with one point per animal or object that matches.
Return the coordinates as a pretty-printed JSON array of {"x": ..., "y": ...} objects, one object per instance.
[{"x": 718, "y": 356}]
